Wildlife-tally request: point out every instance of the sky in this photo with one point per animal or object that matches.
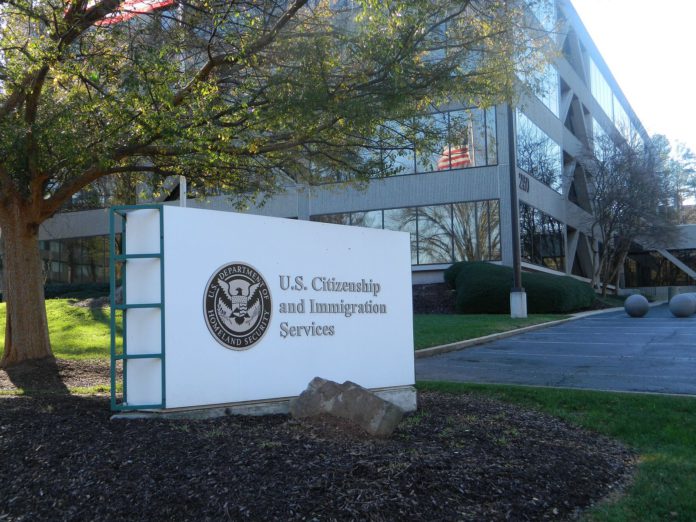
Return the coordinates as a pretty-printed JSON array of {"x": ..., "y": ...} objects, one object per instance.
[{"x": 650, "y": 47}]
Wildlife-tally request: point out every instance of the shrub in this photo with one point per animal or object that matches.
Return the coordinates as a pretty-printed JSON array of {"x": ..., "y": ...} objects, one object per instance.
[
  {"x": 76, "y": 291},
  {"x": 485, "y": 288}
]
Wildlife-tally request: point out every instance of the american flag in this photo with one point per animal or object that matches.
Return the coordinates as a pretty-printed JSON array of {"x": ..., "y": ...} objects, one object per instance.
[
  {"x": 130, "y": 8},
  {"x": 455, "y": 157}
]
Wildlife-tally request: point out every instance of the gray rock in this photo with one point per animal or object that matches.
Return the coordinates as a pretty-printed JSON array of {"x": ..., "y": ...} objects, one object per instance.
[
  {"x": 636, "y": 305},
  {"x": 682, "y": 305},
  {"x": 347, "y": 401}
]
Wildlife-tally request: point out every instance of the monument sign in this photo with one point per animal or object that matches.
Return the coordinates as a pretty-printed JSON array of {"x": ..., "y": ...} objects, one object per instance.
[{"x": 222, "y": 308}]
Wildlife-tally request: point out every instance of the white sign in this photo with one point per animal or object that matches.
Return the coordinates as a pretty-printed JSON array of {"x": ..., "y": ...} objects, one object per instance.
[{"x": 255, "y": 307}]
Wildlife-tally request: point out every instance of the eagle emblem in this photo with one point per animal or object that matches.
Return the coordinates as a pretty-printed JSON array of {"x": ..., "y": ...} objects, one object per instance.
[{"x": 237, "y": 306}]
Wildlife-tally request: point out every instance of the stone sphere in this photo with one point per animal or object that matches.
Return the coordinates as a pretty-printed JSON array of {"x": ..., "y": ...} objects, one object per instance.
[
  {"x": 636, "y": 305},
  {"x": 682, "y": 305}
]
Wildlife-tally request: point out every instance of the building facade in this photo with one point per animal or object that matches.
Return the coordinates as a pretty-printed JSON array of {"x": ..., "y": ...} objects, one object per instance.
[{"x": 454, "y": 200}]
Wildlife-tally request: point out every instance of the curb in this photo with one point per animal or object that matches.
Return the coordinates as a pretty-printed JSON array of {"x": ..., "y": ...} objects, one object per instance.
[{"x": 461, "y": 345}]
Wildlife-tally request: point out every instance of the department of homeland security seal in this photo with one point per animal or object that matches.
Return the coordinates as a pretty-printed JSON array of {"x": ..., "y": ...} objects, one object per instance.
[{"x": 237, "y": 306}]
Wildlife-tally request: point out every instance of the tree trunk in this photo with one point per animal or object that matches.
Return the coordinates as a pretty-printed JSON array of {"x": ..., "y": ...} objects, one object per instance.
[
  {"x": 603, "y": 262},
  {"x": 26, "y": 329}
]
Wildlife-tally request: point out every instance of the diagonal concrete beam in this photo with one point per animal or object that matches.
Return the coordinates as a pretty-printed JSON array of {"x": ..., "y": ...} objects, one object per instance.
[{"x": 680, "y": 265}]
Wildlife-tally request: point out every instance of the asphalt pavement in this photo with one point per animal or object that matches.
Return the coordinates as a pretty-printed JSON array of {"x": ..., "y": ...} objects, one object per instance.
[{"x": 608, "y": 351}]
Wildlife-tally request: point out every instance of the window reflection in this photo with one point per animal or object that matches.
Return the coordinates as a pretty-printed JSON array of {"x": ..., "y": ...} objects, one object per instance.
[
  {"x": 650, "y": 268},
  {"x": 537, "y": 154},
  {"x": 455, "y": 140},
  {"x": 401, "y": 153},
  {"x": 476, "y": 231},
  {"x": 542, "y": 238},
  {"x": 434, "y": 234},
  {"x": 403, "y": 220},
  {"x": 75, "y": 260},
  {"x": 371, "y": 219},
  {"x": 440, "y": 234},
  {"x": 430, "y": 155},
  {"x": 336, "y": 219}
]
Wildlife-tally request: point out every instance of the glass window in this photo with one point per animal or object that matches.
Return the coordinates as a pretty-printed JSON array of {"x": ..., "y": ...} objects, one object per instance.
[
  {"x": 601, "y": 90},
  {"x": 494, "y": 229},
  {"x": 459, "y": 152},
  {"x": 597, "y": 130},
  {"x": 650, "y": 268},
  {"x": 542, "y": 238},
  {"x": 601, "y": 144},
  {"x": 537, "y": 154},
  {"x": 465, "y": 231},
  {"x": 476, "y": 231},
  {"x": 434, "y": 234},
  {"x": 96, "y": 259},
  {"x": 439, "y": 233},
  {"x": 622, "y": 121},
  {"x": 544, "y": 12},
  {"x": 478, "y": 144},
  {"x": 491, "y": 138},
  {"x": 437, "y": 44},
  {"x": 546, "y": 86},
  {"x": 449, "y": 140},
  {"x": 336, "y": 219},
  {"x": 372, "y": 219},
  {"x": 550, "y": 87},
  {"x": 398, "y": 149},
  {"x": 430, "y": 156},
  {"x": 404, "y": 220}
]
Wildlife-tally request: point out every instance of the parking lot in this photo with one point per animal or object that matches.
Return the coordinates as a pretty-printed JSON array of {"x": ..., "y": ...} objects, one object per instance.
[{"x": 609, "y": 351}]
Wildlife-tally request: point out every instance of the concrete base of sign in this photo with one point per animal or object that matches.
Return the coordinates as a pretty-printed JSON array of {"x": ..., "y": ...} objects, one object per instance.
[
  {"x": 404, "y": 397},
  {"x": 518, "y": 304}
]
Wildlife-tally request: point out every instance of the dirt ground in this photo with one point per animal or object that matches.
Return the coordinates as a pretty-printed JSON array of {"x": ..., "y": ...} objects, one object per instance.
[{"x": 459, "y": 457}]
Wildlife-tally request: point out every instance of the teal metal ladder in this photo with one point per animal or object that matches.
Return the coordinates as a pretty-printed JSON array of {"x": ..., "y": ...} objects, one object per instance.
[{"x": 121, "y": 212}]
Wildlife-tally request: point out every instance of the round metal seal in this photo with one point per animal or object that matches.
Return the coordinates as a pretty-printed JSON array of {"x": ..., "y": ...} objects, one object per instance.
[{"x": 237, "y": 306}]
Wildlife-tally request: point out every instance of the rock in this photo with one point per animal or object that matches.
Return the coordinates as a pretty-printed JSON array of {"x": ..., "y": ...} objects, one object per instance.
[
  {"x": 682, "y": 305},
  {"x": 636, "y": 305},
  {"x": 347, "y": 401}
]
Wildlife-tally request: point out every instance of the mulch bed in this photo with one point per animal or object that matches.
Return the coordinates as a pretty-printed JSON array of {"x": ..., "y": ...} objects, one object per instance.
[
  {"x": 433, "y": 298},
  {"x": 460, "y": 457},
  {"x": 55, "y": 376}
]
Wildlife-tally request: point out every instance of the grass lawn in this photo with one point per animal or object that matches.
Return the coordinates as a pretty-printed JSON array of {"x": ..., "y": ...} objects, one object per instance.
[
  {"x": 612, "y": 300},
  {"x": 76, "y": 333},
  {"x": 661, "y": 429},
  {"x": 83, "y": 333},
  {"x": 435, "y": 329}
]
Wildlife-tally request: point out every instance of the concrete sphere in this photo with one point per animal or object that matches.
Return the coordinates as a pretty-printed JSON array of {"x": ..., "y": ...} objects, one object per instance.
[
  {"x": 636, "y": 305},
  {"x": 682, "y": 305}
]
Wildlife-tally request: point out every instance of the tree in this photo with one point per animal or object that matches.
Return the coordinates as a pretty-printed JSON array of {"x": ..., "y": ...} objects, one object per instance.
[
  {"x": 241, "y": 96},
  {"x": 680, "y": 163},
  {"x": 631, "y": 197}
]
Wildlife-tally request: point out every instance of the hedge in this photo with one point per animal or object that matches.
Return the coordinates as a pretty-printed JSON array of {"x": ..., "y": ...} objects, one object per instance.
[
  {"x": 73, "y": 291},
  {"x": 76, "y": 290},
  {"x": 485, "y": 288}
]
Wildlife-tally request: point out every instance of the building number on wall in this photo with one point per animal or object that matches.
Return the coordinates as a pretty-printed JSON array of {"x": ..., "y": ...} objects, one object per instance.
[{"x": 523, "y": 182}]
